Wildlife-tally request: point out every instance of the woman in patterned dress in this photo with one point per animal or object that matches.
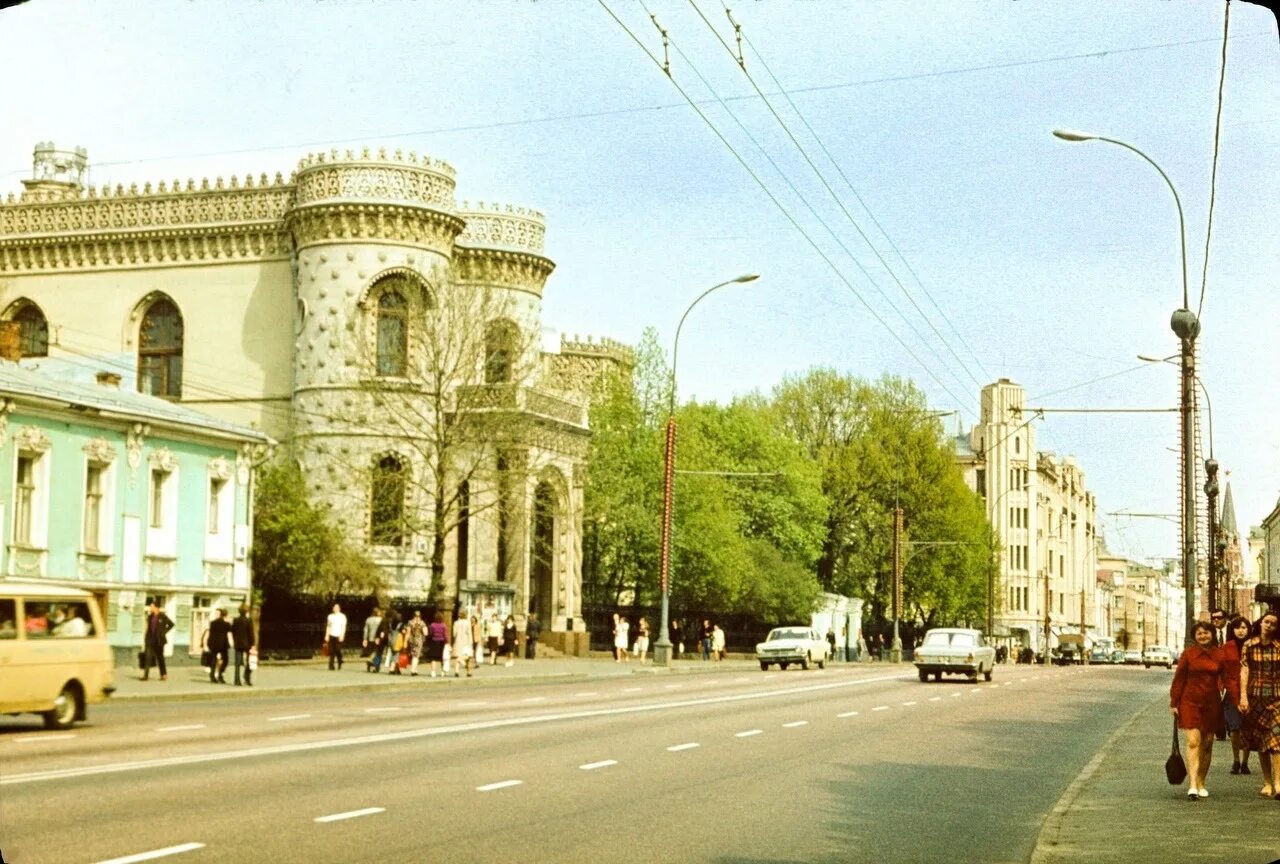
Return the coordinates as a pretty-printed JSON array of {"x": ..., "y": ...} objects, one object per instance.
[
  {"x": 1195, "y": 700},
  {"x": 1260, "y": 699},
  {"x": 1238, "y": 632}
]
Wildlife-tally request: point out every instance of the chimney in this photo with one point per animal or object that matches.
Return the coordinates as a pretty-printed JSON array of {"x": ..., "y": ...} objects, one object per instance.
[
  {"x": 10, "y": 341},
  {"x": 110, "y": 380}
]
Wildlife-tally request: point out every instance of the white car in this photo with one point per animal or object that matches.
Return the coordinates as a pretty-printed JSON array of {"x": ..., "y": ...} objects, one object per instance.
[
  {"x": 1157, "y": 655},
  {"x": 796, "y": 644},
  {"x": 954, "y": 651}
]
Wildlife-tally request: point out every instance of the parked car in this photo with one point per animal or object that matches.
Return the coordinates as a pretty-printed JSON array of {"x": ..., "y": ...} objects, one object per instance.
[
  {"x": 1100, "y": 655},
  {"x": 795, "y": 644},
  {"x": 1117, "y": 656},
  {"x": 1157, "y": 655},
  {"x": 1132, "y": 657},
  {"x": 954, "y": 651}
]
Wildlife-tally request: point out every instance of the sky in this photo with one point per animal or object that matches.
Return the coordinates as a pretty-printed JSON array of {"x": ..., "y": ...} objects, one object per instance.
[{"x": 995, "y": 249}]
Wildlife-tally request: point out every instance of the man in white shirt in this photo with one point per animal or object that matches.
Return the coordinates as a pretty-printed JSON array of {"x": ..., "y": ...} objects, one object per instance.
[{"x": 335, "y": 630}]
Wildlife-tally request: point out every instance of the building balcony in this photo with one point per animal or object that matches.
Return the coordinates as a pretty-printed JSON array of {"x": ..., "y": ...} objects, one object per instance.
[{"x": 511, "y": 398}]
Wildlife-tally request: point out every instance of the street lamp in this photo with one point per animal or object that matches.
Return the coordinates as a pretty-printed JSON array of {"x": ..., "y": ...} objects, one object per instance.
[
  {"x": 1186, "y": 327},
  {"x": 662, "y": 648}
]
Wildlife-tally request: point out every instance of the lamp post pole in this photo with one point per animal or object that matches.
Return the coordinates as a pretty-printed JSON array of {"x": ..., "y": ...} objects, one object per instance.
[
  {"x": 662, "y": 648},
  {"x": 1186, "y": 326}
]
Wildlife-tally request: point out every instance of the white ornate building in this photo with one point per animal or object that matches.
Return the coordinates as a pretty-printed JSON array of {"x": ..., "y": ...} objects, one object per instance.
[
  {"x": 1044, "y": 517},
  {"x": 305, "y": 307}
]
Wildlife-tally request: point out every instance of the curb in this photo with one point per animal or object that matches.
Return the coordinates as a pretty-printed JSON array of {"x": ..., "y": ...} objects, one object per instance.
[{"x": 1046, "y": 849}]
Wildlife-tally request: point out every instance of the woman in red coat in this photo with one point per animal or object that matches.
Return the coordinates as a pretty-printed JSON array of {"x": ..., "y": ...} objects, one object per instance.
[
  {"x": 1237, "y": 635},
  {"x": 1196, "y": 700}
]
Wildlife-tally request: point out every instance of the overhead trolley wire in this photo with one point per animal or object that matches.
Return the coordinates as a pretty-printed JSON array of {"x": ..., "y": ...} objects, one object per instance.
[
  {"x": 778, "y": 204},
  {"x": 803, "y": 200},
  {"x": 1217, "y": 140},
  {"x": 822, "y": 145},
  {"x": 822, "y": 177}
]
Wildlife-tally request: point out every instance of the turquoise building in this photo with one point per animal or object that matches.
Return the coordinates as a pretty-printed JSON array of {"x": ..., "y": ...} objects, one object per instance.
[{"x": 131, "y": 497}]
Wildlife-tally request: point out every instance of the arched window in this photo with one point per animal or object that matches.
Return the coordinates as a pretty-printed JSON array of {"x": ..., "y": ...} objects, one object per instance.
[
  {"x": 393, "y": 334},
  {"x": 33, "y": 331},
  {"x": 386, "y": 502},
  {"x": 499, "y": 351},
  {"x": 160, "y": 351}
]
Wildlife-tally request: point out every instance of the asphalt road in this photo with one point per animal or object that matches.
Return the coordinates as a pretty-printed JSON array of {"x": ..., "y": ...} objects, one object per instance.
[{"x": 844, "y": 765}]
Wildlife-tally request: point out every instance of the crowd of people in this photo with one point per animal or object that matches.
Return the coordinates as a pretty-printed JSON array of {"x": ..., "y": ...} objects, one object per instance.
[
  {"x": 395, "y": 644},
  {"x": 710, "y": 639},
  {"x": 1227, "y": 685}
]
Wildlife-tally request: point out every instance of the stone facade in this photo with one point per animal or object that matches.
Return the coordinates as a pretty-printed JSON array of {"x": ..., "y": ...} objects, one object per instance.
[{"x": 319, "y": 309}]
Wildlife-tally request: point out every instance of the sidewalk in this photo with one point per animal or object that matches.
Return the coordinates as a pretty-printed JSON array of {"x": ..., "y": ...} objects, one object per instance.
[
  {"x": 310, "y": 677},
  {"x": 1121, "y": 808}
]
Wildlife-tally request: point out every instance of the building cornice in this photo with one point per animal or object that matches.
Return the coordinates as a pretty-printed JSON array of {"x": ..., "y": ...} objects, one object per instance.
[
  {"x": 522, "y": 271},
  {"x": 136, "y": 249},
  {"x": 326, "y": 223}
]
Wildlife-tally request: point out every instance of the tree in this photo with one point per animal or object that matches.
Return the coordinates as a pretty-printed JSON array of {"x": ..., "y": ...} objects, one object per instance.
[{"x": 296, "y": 548}]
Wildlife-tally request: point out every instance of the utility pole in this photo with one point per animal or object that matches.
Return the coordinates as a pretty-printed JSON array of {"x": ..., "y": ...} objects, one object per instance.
[
  {"x": 1211, "y": 493},
  {"x": 1084, "y": 655},
  {"x": 1048, "y": 611},
  {"x": 895, "y": 650}
]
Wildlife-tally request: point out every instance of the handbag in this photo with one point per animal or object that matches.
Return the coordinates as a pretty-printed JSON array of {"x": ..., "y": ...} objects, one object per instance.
[
  {"x": 402, "y": 660},
  {"x": 253, "y": 659},
  {"x": 142, "y": 659},
  {"x": 324, "y": 648},
  {"x": 1174, "y": 768},
  {"x": 1231, "y": 715},
  {"x": 206, "y": 658}
]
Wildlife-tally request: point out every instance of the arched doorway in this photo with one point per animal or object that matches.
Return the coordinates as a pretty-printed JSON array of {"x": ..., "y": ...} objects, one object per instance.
[{"x": 542, "y": 553}]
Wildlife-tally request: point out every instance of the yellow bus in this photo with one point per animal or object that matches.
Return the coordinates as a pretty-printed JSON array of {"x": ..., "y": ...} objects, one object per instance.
[{"x": 54, "y": 656}]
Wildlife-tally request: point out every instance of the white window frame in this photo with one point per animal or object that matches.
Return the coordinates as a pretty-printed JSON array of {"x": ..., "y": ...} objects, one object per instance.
[
  {"x": 219, "y": 545},
  {"x": 162, "y": 538},
  {"x": 38, "y": 533}
]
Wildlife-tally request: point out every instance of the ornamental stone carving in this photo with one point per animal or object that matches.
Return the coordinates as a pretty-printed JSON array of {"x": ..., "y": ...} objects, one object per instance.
[
  {"x": 427, "y": 183},
  {"x": 6, "y": 408},
  {"x": 100, "y": 450},
  {"x": 519, "y": 270},
  {"x": 499, "y": 226},
  {"x": 163, "y": 459},
  {"x": 219, "y": 468},
  {"x": 32, "y": 439},
  {"x": 342, "y": 223},
  {"x": 134, "y": 440}
]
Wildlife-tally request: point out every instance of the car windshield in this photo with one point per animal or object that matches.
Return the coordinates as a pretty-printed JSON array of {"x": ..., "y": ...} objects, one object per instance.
[
  {"x": 787, "y": 633},
  {"x": 956, "y": 640}
]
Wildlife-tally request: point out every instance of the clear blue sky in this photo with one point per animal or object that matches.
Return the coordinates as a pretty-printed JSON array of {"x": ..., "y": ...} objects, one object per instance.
[{"x": 1058, "y": 263}]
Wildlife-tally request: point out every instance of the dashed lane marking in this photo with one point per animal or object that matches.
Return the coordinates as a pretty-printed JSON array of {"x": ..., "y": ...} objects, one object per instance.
[
  {"x": 180, "y": 728},
  {"x": 976, "y": 690},
  {"x": 848, "y": 714},
  {"x": 881, "y": 708},
  {"x": 794, "y": 724},
  {"x": 288, "y": 717},
  {"x": 741, "y": 680},
  {"x": 935, "y": 698},
  {"x": 954, "y": 695},
  {"x": 748, "y": 733},
  {"x": 673, "y": 686},
  {"x": 535, "y": 699},
  {"x": 678, "y": 747},
  {"x": 505, "y": 784},
  {"x": 156, "y": 853},
  {"x": 632, "y": 689},
  {"x": 585, "y": 695},
  {"x": 350, "y": 814},
  {"x": 604, "y": 763},
  {"x": 56, "y": 736},
  {"x": 907, "y": 704},
  {"x": 382, "y": 710},
  {"x": 472, "y": 704}
]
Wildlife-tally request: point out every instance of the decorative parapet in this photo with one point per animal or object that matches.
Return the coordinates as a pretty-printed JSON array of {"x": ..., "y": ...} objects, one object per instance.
[
  {"x": 502, "y": 226},
  {"x": 335, "y": 178},
  {"x": 606, "y": 348}
]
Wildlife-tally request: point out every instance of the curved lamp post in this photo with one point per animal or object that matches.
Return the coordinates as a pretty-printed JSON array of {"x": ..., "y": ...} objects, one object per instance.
[
  {"x": 1186, "y": 327},
  {"x": 662, "y": 648}
]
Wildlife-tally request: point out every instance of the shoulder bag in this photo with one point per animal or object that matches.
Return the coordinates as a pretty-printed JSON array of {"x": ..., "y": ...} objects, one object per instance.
[{"x": 1174, "y": 768}]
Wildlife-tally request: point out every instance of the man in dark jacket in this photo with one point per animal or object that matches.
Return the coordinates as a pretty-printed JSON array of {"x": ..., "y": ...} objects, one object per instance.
[
  {"x": 155, "y": 634},
  {"x": 242, "y": 635},
  {"x": 532, "y": 630},
  {"x": 219, "y": 630}
]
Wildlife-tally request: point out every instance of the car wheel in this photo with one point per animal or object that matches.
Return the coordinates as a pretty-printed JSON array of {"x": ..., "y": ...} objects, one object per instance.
[
  {"x": 937, "y": 676},
  {"x": 764, "y": 667},
  {"x": 783, "y": 666},
  {"x": 822, "y": 664},
  {"x": 924, "y": 676},
  {"x": 804, "y": 664},
  {"x": 65, "y": 709},
  {"x": 1146, "y": 665}
]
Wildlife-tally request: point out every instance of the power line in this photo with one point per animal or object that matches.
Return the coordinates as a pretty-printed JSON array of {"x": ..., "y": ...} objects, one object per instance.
[
  {"x": 821, "y": 177},
  {"x": 1217, "y": 138},
  {"x": 1092, "y": 381},
  {"x": 773, "y": 198},
  {"x": 801, "y": 196}
]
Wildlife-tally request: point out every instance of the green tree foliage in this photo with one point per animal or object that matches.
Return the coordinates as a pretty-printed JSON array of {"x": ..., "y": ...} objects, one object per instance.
[{"x": 297, "y": 550}]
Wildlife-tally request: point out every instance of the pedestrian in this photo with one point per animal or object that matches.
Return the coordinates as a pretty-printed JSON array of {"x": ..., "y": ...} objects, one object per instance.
[
  {"x": 415, "y": 640},
  {"x": 831, "y": 641},
  {"x": 613, "y": 637},
  {"x": 369, "y": 638},
  {"x": 532, "y": 632},
  {"x": 390, "y": 650},
  {"x": 1218, "y": 618},
  {"x": 219, "y": 643},
  {"x": 717, "y": 643},
  {"x": 1194, "y": 700},
  {"x": 642, "y": 640},
  {"x": 335, "y": 630},
  {"x": 463, "y": 644},
  {"x": 704, "y": 639},
  {"x": 677, "y": 637},
  {"x": 509, "y": 639},
  {"x": 1232, "y": 649},
  {"x": 621, "y": 640},
  {"x": 399, "y": 648},
  {"x": 1260, "y": 699},
  {"x": 493, "y": 637},
  {"x": 242, "y": 636},
  {"x": 437, "y": 636},
  {"x": 477, "y": 641},
  {"x": 378, "y": 645},
  {"x": 154, "y": 636}
]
